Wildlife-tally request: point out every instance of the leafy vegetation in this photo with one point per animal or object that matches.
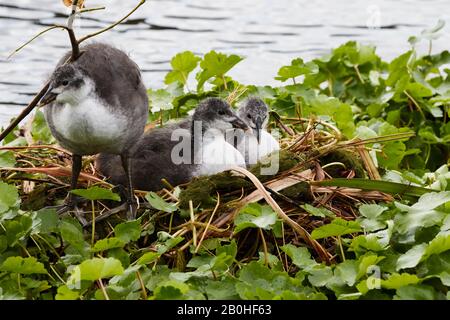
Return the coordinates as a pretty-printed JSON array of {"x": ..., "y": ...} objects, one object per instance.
[{"x": 378, "y": 241}]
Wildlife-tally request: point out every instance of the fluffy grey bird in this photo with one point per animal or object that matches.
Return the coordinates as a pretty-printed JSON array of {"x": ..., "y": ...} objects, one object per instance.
[
  {"x": 259, "y": 143},
  {"x": 180, "y": 151},
  {"x": 97, "y": 103}
]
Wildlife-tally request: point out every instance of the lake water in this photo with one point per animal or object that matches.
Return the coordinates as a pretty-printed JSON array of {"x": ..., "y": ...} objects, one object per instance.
[{"x": 267, "y": 33}]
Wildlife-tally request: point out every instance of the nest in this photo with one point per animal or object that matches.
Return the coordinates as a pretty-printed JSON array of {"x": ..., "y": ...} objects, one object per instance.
[{"x": 312, "y": 150}]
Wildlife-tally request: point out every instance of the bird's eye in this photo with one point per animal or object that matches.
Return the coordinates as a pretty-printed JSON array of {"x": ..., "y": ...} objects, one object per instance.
[
  {"x": 65, "y": 83},
  {"x": 221, "y": 112},
  {"x": 249, "y": 116}
]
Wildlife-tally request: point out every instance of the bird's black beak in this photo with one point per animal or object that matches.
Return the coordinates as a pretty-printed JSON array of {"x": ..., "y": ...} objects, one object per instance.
[
  {"x": 48, "y": 97},
  {"x": 258, "y": 124},
  {"x": 237, "y": 123}
]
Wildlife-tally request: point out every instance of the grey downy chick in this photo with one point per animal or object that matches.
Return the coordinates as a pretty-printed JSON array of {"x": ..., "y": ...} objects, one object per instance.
[
  {"x": 95, "y": 104},
  {"x": 259, "y": 143},
  {"x": 173, "y": 152}
]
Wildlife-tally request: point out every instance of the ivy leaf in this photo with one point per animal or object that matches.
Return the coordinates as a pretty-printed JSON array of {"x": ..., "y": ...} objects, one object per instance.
[
  {"x": 347, "y": 271},
  {"x": 412, "y": 257},
  {"x": 396, "y": 280},
  {"x": 371, "y": 211},
  {"x": 9, "y": 197},
  {"x": 40, "y": 130},
  {"x": 21, "y": 265},
  {"x": 64, "y": 293},
  {"x": 415, "y": 292},
  {"x": 106, "y": 244},
  {"x": 215, "y": 65},
  {"x": 421, "y": 214},
  {"x": 299, "y": 256},
  {"x": 148, "y": 257},
  {"x": 159, "y": 100},
  {"x": 182, "y": 65},
  {"x": 255, "y": 216},
  {"x": 96, "y": 193},
  {"x": 338, "y": 227},
  {"x": 95, "y": 269},
  {"x": 297, "y": 68},
  {"x": 45, "y": 221},
  {"x": 159, "y": 203},
  {"x": 171, "y": 290},
  {"x": 7, "y": 159},
  {"x": 128, "y": 231},
  {"x": 318, "y": 212}
]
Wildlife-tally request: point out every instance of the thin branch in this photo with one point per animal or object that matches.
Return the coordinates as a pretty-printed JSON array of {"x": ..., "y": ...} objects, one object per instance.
[
  {"x": 91, "y": 9},
  {"x": 209, "y": 223},
  {"x": 35, "y": 37},
  {"x": 49, "y": 29},
  {"x": 72, "y": 37},
  {"x": 25, "y": 112},
  {"x": 111, "y": 26}
]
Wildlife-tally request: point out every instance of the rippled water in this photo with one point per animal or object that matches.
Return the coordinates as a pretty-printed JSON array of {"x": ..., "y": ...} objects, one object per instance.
[{"x": 269, "y": 33}]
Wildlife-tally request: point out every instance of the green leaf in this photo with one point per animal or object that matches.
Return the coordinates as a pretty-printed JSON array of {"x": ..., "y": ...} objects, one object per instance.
[
  {"x": 159, "y": 203},
  {"x": 40, "y": 130},
  {"x": 9, "y": 197},
  {"x": 168, "y": 244},
  {"x": 128, "y": 231},
  {"x": 320, "y": 276},
  {"x": 106, "y": 244},
  {"x": 412, "y": 257},
  {"x": 255, "y": 216},
  {"x": 64, "y": 293},
  {"x": 415, "y": 292},
  {"x": 396, "y": 280},
  {"x": 7, "y": 159},
  {"x": 215, "y": 65},
  {"x": 318, "y": 212},
  {"x": 171, "y": 290},
  {"x": 300, "y": 256},
  {"x": 347, "y": 271},
  {"x": 297, "y": 68},
  {"x": 375, "y": 185},
  {"x": 45, "y": 221},
  {"x": 182, "y": 65},
  {"x": 159, "y": 100},
  {"x": 421, "y": 214},
  {"x": 338, "y": 227},
  {"x": 371, "y": 211},
  {"x": 96, "y": 193},
  {"x": 21, "y": 265},
  {"x": 95, "y": 269},
  {"x": 439, "y": 244},
  {"x": 148, "y": 257}
]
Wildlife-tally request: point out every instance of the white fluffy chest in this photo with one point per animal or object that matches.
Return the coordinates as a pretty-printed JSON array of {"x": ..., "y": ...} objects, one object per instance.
[
  {"x": 253, "y": 150},
  {"x": 90, "y": 124},
  {"x": 217, "y": 156}
]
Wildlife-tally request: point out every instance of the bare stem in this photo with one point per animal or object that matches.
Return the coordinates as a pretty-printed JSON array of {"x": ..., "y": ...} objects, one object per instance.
[
  {"x": 209, "y": 223},
  {"x": 194, "y": 230},
  {"x": 72, "y": 37},
  {"x": 24, "y": 113}
]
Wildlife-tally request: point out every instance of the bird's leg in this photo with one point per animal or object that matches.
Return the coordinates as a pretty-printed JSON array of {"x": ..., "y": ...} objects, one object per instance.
[
  {"x": 131, "y": 200},
  {"x": 69, "y": 203}
]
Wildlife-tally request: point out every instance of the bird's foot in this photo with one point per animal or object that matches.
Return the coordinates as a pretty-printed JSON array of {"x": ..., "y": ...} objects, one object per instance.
[
  {"x": 70, "y": 204},
  {"x": 131, "y": 210}
]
